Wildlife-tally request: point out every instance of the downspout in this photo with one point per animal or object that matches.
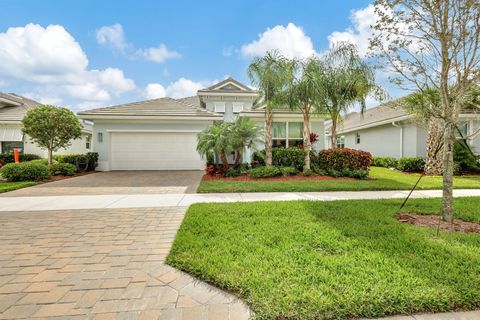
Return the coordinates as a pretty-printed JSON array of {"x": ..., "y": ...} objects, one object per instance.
[{"x": 395, "y": 124}]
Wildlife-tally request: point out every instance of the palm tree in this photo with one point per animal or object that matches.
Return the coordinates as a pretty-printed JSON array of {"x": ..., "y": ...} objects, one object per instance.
[
  {"x": 304, "y": 93},
  {"x": 346, "y": 81},
  {"x": 270, "y": 75},
  {"x": 244, "y": 133},
  {"x": 215, "y": 139}
]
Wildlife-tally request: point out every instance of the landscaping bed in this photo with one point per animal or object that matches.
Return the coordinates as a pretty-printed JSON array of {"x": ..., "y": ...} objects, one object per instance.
[
  {"x": 245, "y": 177},
  {"x": 436, "y": 222},
  {"x": 332, "y": 260}
]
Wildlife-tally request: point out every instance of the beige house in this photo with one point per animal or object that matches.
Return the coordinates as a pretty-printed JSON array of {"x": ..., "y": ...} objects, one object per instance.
[
  {"x": 12, "y": 110},
  {"x": 388, "y": 131}
]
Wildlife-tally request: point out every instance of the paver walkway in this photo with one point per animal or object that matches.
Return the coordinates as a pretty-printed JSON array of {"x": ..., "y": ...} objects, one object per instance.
[
  {"x": 101, "y": 264},
  {"x": 117, "y": 201}
]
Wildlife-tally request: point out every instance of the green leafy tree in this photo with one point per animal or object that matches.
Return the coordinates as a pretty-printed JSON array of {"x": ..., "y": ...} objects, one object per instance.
[
  {"x": 270, "y": 74},
  {"x": 432, "y": 45},
  {"x": 243, "y": 133},
  {"x": 305, "y": 94},
  {"x": 347, "y": 80},
  {"x": 51, "y": 127},
  {"x": 216, "y": 139}
]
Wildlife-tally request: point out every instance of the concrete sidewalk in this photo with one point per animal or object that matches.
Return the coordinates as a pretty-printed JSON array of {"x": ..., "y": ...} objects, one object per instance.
[{"x": 113, "y": 201}]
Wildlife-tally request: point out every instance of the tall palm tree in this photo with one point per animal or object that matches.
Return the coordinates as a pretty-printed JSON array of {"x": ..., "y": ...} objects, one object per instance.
[
  {"x": 347, "y": 80},
  {"x": 244, "y": 133},
  {"x": 270, "y": 75},
  {"x": 305, "y": 94},
  {"x": 215, "y": 139}
]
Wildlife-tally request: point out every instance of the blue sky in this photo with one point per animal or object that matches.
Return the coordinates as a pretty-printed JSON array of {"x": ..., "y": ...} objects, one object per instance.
[{"x": 87, "y": 54}]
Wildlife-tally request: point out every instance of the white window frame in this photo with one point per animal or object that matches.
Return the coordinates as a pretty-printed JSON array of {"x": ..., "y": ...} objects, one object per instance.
[
  {"x": 237, "y": 107},
  {"x": 219, "y": 106}
]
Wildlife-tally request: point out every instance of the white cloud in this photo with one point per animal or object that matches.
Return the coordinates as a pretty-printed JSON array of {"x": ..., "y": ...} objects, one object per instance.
[
  {"x": 154, "y": 91},
  {"x": 179, "y": 89},
  {"x": 291, "y": 41},
  {"x": 360, "y": 32},
  {"x": 112, "y": 36},
  {"x": 52, "y": 59},
  {"x": 158, "y": 55}
]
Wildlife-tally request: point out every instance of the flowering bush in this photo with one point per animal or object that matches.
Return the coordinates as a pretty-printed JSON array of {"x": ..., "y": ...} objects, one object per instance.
[{"x": 214, "y": 170}]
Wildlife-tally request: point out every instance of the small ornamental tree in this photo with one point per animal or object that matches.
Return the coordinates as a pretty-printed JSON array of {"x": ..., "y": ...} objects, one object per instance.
[{"x": 51, "y": 127}]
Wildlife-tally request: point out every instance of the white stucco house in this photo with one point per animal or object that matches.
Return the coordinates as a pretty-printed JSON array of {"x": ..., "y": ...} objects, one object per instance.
[
  {"x": 12, "y": 110},
  {"x": 161, "y": 134},
  {"x": 389, "y": 131}
]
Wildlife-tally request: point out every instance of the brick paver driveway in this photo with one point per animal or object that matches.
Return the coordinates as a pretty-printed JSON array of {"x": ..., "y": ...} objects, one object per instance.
[
  {"x": 100, "y": 264},
  {"x": 117, "y": 182}
]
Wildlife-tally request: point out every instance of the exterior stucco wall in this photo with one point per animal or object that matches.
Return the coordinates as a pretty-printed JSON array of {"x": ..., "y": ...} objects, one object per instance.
[
  {"x": 104, "y": 126},
  {"x": 475, "y": 140}
]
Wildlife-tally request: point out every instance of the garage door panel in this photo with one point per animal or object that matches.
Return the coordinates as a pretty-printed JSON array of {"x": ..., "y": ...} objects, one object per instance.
[{"x": 154, "y": 151}]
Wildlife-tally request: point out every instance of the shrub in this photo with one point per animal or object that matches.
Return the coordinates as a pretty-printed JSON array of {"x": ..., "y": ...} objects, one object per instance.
[
  {"x": 281, "y": 157},
  {"x": 24, "y": 171},
  {"x": 288, "y": 171},
  {"x": 233, "y": 172},
  {"x": 83, "y": 162},
  {"x": 8, "y": 157},
  {"x": 411, "y": 164},
  {"x": 334, "y": 173},
  {"x": 342, "y": 159},
  {"x": 356, "y": 174},
  {"x": 307, "y": 172},
  {"x": 41, "y": 161},
  {"x": 264, "y": 172},
  {"x": 464, "y": 161},
  {"x": 385, "y": 162},
  {"x": 320, "y": 172},
  {"x": 213, "y": 170},
  {"x": 64, "y": 169}
]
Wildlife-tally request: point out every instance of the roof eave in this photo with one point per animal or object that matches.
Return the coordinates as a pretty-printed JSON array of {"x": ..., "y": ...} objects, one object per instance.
[{"x": 87, "y": 116}]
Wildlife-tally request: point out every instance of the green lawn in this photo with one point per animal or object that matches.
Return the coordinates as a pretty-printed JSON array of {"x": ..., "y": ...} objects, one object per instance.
[
  {"x": 333, "y": 260},
  {"x": 384, "y": 179},
  {"x": 10, "y": 186}
]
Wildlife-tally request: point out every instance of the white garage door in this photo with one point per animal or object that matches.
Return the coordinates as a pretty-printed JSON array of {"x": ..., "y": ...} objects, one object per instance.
[{"x": 154, "y": 151}]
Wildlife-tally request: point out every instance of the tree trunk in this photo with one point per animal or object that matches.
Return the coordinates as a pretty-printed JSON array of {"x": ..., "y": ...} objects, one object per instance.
[
  {"x": 307, "y": 145},
  {"x": 434, "y": 158},
  {"x": 333, "y": 138},
  {"x": 238, "y": 157},
  {"x": 50, "y": 157},
  {"x": 447, "y": 199},
  {"x": 268, "y": 136},
  {"x": 223, "y": 158}
]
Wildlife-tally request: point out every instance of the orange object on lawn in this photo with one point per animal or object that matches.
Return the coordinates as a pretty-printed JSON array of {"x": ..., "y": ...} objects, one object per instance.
[{"x": 16, "y": 156}]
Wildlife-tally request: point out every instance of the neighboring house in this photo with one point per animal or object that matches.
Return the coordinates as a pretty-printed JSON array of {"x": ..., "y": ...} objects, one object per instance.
[
  {"x": 12, "y": 110},
  {"x": 161, "y": 134},
  {"x": 389, "y": 131}
]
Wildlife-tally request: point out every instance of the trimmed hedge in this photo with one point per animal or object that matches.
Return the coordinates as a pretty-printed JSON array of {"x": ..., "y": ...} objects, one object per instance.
[
  {"x": 264, "y": 172},
  {"x": 24, "y": 171},
  {"x": 464, "y": 161},
  {"x": 64, "y": 169},
  {"x": 83, "y": 162},
  {"x": 411, "y": 164},
  {"x": 344, "y": 159},
  {"x": 288, "y": 171},
  {"x": 8, "y": 157},
  {"x": 385, "y": 162},
  {"x": 281, "y": 157}
]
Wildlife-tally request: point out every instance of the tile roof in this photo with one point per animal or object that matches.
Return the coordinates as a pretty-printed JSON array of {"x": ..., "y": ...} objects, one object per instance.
[
  {"x": 371, "y": 116},
  {"x": 185, "y": 107},
  {"x": 14, "y": 107}
]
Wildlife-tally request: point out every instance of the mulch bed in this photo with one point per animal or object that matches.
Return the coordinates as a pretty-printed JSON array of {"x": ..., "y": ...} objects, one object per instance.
[
  {"x": 208, "y": 177},
  {"x": 433, "y": 221},
  {"x": 58, "y": 178}
]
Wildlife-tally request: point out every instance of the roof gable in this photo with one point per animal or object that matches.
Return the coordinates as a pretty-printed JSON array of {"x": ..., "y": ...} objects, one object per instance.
[{"x": 228, "y": 85}]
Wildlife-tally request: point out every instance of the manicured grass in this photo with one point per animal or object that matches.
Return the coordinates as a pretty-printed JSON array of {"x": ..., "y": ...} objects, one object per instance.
[
  {"x": 10, "y": 186},
  {"x": 385, "y": 179},
  {"x": 333, "y": 260}
]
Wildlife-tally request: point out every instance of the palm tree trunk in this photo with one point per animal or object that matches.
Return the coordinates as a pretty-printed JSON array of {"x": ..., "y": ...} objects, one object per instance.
[
  {"x": 268, "y": 136},
  {"x": 434, "y": 158},
  {"x": 223, "y": 158},
  {"x": 307, "y": 145},
  {"x": 238, "y": 157},
  {"x": 333, "y": 138},
  {"x": 447, "y": 199}
]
